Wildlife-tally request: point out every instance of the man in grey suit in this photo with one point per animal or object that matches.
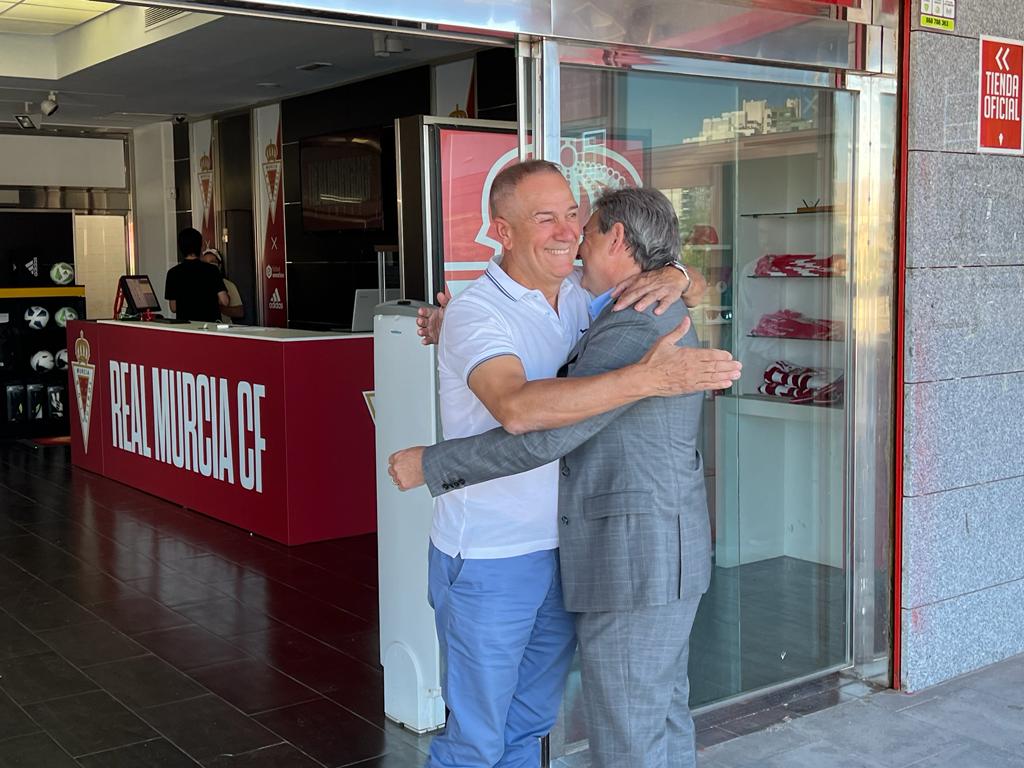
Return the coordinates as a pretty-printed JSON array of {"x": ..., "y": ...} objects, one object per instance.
[{"x": 634, "y": 532}]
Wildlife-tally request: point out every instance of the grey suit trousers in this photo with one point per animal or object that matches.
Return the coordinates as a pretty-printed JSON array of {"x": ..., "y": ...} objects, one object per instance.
[{"x": 635, "y": 687}]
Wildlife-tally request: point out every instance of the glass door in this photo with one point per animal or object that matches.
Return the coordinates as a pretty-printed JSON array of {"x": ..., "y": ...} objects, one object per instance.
[{"x": 760, "y": 174}]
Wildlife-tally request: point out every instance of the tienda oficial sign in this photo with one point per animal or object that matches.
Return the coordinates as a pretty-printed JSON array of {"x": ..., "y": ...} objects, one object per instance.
[{"x": 999, "y": 96}]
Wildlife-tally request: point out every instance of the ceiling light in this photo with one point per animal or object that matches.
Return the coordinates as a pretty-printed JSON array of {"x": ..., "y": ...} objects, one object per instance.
[
  {"x": 268, "y": 85},
  {"x": 394, "y": 44},
  {"x": 380, "y": 45},
  {"x": 49, "y": 105},
  {"x": 26, "y": 122}
]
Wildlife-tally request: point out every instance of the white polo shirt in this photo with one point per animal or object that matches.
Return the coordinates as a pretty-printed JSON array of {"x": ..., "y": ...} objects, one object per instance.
[{"x": 497, "y": 316}]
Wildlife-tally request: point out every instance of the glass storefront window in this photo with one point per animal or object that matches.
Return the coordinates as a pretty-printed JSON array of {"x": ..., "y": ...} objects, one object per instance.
[{"x": 761, "y": 178}]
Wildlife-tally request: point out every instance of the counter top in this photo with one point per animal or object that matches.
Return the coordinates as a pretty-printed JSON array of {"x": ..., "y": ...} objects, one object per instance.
[{"x": 239, "y": 331}]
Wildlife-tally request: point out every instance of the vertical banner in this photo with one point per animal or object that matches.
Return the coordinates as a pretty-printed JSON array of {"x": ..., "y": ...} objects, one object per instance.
[
  {"x": 204, "y": 197},
  {"x": 471, "y": 159},
  {"x": 270, "y": 245},
  {"x": 999, "y": 96}
]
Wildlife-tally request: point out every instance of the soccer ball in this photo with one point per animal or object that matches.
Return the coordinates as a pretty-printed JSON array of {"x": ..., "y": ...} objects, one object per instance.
[
  {"x": 62, "y": 359},
  {"x": 62, "y": 273},
  {"x": 37, "y": 318},
  {"x": 42, "y": 361},
  {"x": 65, "y": 315}
]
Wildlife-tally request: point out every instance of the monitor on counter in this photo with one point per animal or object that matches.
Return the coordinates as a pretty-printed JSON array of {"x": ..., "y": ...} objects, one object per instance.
[
  {"x": 138, "y": 294},
  {"x": 365, "y": 302}
]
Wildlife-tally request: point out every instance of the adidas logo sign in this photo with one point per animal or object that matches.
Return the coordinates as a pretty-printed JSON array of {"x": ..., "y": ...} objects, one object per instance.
[
  {"x": 275, "y": 300},
  {"x": 33, "y": 267}
]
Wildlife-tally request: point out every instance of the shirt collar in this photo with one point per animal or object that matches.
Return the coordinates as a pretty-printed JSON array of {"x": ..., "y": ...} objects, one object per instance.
[
  {"x": 504, "y": 283},
  {"x": 598, "y": 304}
]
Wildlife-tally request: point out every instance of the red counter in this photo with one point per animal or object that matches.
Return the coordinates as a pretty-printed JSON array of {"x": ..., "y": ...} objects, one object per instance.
[{"x": 266, "y": 429}]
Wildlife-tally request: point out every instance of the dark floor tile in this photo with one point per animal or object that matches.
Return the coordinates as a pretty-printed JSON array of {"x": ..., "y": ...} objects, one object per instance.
[
  {"x": 40, "y": 558},
  {"x": 189, "y": 647},
  {"x": 210, "y": 569},
  {"x": 9, "y": 528},
  {"x": 89, "y": 644},
  {"x": 13, "y": 720},
  {"x": 157, "y": 753},
  {"x": 133, "y": 615},
  {"x": 34, "y": 751},
  {"x": 252, "y": 686},
  {"x": 277, "y": 756},
  {"x": 40, "y": 677},
  {"x": 207, "y": 727},
  {"x": 38, "y": 606},
  {"x": 342, "y": 678},
  {"x": 364, "y": 646},
  {"x": 90, "y": 722},
  {"x": 15, "y": 640},
  {"x": 817, "y": 702},
  {"x": 226, "y": 617},
  {"x": 145, "y": 681},
  {"x": 328, "y": 733},
  {"x": 173, "y": 589},
  {"x": 89, "y": 589}
]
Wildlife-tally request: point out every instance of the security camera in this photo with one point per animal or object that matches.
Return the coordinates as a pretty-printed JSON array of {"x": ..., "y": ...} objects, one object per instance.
[
  {"x": 49, "y": 105},
  {"x": 180, "y": 118}
]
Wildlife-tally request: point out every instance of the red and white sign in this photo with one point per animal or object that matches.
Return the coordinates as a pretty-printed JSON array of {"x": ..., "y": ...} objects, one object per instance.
[
  {"x": 999, "y": 96},
  {"x": 270, "y": 214},
  {"x": 204, "y": 192},
  {"x": 471, "y": 159},
  {"x": 271, "y": 436}
]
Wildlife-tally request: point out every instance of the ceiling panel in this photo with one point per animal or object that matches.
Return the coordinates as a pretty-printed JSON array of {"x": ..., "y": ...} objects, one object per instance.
[
  {"x": 16, "y": 27},
  {"x": 50, "y": 15},
  {"x": 84, "y": 5}
]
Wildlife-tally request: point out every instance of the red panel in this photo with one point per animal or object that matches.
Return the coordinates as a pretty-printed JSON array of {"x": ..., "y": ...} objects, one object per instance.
[
  {"x": 999, "y": 96},
  {"x": 331, "y": 439},
  {"x": 243, "y": 477}
]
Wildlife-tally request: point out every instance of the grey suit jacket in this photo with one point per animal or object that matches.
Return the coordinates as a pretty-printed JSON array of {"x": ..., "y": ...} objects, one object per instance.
[{"x": 633, "y": 519}]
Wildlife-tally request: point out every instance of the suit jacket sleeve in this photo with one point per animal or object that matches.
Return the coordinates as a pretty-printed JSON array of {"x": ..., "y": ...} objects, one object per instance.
[{"x": 616, "y": 341}]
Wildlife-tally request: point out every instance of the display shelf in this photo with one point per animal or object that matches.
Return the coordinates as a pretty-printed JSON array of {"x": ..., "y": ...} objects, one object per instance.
[
  {"x": 790, "y": 338},
  {"x": 54, "y": 292},
  {"x": 768, "y": 407},
  {"x": 796, "y": 277},
  {"x": 783, "y": 214}
]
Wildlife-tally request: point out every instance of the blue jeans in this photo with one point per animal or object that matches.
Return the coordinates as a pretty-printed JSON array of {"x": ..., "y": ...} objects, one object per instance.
[{"x": 506, "y": 645}]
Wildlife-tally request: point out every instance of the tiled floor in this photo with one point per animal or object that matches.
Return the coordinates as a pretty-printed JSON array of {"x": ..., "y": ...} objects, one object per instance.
[{"x": 136, "y": 633}]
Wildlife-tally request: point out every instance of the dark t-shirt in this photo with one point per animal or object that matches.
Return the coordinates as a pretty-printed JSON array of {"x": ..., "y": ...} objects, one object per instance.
[{"x": 193, "y": 285}]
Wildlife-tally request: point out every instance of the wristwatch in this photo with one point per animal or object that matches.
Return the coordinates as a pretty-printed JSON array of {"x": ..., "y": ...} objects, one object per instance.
[{"x": 682, "y": 268}]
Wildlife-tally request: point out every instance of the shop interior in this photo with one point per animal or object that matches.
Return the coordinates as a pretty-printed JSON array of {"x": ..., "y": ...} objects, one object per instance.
[{"x": 760, "y": 175}]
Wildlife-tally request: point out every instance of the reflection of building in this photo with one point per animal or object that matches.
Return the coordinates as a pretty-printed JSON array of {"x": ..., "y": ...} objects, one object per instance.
[{"x": 756, "y": 117}]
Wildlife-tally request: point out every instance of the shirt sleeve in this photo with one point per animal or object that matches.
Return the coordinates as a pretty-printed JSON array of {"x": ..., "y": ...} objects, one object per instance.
[
  {"x": 171, "y": 285},
  {"x": 472, "y": 334},
  {"x": 234, "y": 297}
]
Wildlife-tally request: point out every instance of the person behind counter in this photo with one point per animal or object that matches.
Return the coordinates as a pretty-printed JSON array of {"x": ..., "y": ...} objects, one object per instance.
[
  {"x": 195, "y": 290},
  {"x": 234, "y": 309}
]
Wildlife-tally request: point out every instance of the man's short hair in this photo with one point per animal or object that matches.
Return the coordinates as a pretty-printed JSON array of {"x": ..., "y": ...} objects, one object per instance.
[
  {"x": 190, "y": 242},
  {"x": 649, "y": 221},
  {"x": 505, "y": 183}
]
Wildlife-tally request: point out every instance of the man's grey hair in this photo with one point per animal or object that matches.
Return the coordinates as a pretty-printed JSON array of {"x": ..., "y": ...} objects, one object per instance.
[{"x": 650, "y": 223}]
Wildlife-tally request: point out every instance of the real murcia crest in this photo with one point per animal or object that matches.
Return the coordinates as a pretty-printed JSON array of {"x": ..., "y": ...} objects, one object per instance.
[
  {"x": 83, "y": 374},
  {"x": 205, "y": 176},
  {"x": 272, "y": 175}
]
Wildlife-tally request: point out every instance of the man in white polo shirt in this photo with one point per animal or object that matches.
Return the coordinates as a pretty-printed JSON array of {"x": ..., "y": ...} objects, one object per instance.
[{"x": 494, "y": 580}]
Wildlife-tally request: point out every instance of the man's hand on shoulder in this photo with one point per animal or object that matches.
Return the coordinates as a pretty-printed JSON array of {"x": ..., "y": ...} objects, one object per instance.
[
  {"x": 664, "y": 286},
  {"x": 429, "y": 319},
  {"x": 672, "y": 370},
  {"x": 406, "y": 468}
]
